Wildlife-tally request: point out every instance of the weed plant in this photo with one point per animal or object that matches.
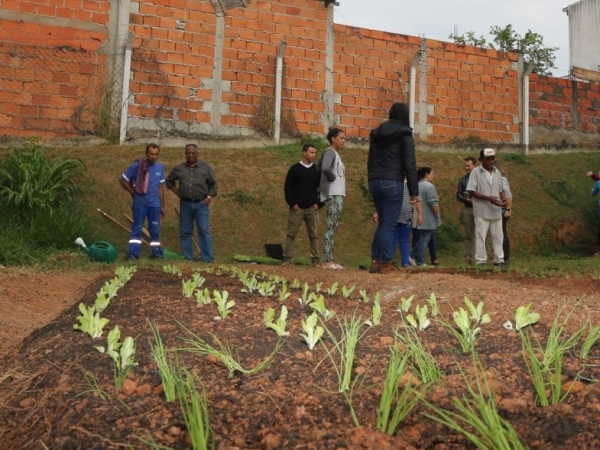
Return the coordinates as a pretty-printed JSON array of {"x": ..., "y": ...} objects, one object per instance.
[
  {"x": 545, "y": 370},
  {"x": 224, "y": 353},
  {"x": 345, "y": 346},
  {"x": 476, "y": 415},
  {"x": 194, "y": 406},
  {"x": 423, "y": 364},
  {"x": 590, "y": 341},
  {"x": 164, "y": 361},
  {"x": 396, "y": 401}
]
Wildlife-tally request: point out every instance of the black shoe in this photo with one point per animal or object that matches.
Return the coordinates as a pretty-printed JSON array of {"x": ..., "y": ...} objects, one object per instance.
[{"x": 501, "y": 264}]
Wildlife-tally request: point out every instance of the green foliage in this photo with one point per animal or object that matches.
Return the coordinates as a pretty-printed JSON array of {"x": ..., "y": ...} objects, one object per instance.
[
  {"x": 30, "y": 181},
  {"x": 39, "y": 212},
  {"x": 506, "y": 39}
]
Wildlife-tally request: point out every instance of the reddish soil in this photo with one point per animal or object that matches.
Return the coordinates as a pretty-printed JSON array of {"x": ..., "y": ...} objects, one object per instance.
[{"x": 46, "y": 403}]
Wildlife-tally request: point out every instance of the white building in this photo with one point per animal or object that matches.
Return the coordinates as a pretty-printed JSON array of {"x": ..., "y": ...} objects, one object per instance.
[{"x": 584, "y": 39}]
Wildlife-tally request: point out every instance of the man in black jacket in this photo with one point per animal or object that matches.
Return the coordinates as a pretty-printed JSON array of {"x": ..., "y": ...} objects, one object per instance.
[{"x": 301, "y": 194}]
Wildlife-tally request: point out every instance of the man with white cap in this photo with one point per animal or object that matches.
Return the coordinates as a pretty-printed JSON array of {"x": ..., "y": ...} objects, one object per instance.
[{"x": 487, "y": 194}]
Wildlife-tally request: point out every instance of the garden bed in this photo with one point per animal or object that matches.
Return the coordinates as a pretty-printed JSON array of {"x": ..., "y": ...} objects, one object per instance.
[{"x": 48, "y": 398}]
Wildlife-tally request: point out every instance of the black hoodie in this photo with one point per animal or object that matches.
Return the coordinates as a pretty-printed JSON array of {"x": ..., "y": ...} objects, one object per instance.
[{"x": 392, "y": 155}]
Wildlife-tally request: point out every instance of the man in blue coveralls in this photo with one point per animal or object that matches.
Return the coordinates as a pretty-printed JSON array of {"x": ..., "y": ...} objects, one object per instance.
[{"x": 144, "y": 180}]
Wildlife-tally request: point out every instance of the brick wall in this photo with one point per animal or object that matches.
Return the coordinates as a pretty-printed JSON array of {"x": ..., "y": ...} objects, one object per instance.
[
  {"x": 563, "y": 110},
  {"x": 54, "y": 56},
  {"x": 173, "y": 60},
  {"x": 50, "y": 65},
  {"x": 469, "y": 91}
]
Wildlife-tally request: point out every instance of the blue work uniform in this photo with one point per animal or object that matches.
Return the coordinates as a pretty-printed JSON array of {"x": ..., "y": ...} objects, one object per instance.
[{"x": 146, "y": 206}]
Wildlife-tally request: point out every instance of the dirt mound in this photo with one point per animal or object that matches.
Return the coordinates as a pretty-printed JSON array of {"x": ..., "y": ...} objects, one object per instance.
[{"x": 48, "y": 396}]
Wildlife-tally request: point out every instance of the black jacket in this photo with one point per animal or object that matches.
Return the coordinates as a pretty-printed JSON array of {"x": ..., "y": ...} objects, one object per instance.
[{"x": 392, "y": 155}]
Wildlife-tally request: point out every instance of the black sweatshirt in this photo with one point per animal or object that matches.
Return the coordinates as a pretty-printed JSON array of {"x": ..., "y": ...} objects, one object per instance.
[{"x": 301, "y": 186}]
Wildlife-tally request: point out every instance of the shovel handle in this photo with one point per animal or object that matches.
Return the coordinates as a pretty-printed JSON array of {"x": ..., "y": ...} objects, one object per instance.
[{"x": 116, "y": 222}]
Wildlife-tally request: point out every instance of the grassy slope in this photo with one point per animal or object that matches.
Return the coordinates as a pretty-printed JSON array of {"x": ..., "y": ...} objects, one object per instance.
[{"x": 552, "y": 209}]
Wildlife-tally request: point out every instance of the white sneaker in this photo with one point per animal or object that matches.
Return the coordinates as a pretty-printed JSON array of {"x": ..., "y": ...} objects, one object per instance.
[
  {"x": 425, "y": 266},
  {"x": 412, "y": 261}
]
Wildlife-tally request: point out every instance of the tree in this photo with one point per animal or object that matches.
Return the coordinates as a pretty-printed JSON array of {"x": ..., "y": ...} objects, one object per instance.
[{"x": 506, "y": 39}]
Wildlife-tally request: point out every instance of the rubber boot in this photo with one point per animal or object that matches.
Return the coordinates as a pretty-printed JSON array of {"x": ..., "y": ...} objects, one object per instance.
[
  {"x": 375, "y": 267},
  {"x": 387, "y": 267},
  {"x": 506, "y": 249}
]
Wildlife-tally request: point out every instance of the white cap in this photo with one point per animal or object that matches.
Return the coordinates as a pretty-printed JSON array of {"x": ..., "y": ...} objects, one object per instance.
[{"x": 487, "y": 153}]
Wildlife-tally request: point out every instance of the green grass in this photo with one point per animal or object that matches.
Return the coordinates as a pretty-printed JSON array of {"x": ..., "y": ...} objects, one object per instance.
[{"x": 553, "y": 228}]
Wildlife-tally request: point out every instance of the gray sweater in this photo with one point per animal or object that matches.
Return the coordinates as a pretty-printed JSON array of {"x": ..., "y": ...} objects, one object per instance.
[{"x": 429, "y": 200}]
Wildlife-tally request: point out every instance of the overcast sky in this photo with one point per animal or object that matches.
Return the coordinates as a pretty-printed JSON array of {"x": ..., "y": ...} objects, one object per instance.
[{"x": 436, "y": 19}]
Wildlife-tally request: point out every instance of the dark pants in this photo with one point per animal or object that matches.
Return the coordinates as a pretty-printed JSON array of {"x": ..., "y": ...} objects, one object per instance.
[
  {"x": 505, "y": 241},
  {"x": 310, "y": 217},
  {"x": 140, "y": 212},
  {"x": 387, "y": 197},
  {"x": 430, "y": 245}
]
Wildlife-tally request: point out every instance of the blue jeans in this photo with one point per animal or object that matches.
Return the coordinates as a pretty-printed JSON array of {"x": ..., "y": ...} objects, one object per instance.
[
  {"x": 387, "y": 196},
  {"x": 190, "y": 212},
  {"x": 140, "y": 212},
  {"x": 402, "y": 235},
  {"x": 431, "y": 246},
  {"x": 418, "y": 251}
]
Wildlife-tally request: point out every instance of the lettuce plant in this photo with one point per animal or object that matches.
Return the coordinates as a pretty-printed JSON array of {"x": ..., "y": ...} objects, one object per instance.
[
  {"x": 90, "y": 321},
  {"x": 363, "y": 296},
  {"x": 318, "y": 304},
  {"x": 203, "y": 296},
  {"x": 111, "y": 287},
  {"x": 250, "y": 285},
  {"x": 113, "y": 343},
  {"x": 122, "y": 354},
  {"x": 313, "y": 331},
  {"x": 295, "y": 284},
  {"x": 266, "y": 288},
  {"x": 421, "y": 312},
  {"x": 405, "y": 304},
  {"x": 435, "y": 309},
  {"x": 377, "y": 313},
  {"x": 524, "y": 318},
  {"x": 283, "y": 293},
  {"x": 347, "y": 291},
  {"x": 102, "y": 301},
  {"x": 305, "y": 298},
  {"x": 124, "y": 273},
  {"x": 223, "y": 306},
  {"x": 189, "y": 286},
  {"x": 168, "y": 268},
  {"x": 333, "y": 289},
  {"x": 477, "y": 315},
  {"x": 318, "y": 286},
  {"x": 280, "y": 324}
]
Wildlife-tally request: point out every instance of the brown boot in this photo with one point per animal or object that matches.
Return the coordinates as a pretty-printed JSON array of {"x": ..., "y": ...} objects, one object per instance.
[
  {"x": 375, "y": 265},
  {"x": 387, "y": 267}
]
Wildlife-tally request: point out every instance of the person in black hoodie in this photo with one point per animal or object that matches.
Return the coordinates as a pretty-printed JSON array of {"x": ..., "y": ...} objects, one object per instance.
[
  {"x": 391, "y": 159},
  {"x": 302, "y": 196}
]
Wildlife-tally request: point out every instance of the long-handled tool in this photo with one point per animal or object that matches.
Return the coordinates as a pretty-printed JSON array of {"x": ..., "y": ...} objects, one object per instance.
[
  {"x": 193, "y": 236},
  {"x": 116, "y": 222},
  {"x": 167, "y": 254}
]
